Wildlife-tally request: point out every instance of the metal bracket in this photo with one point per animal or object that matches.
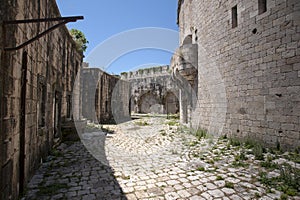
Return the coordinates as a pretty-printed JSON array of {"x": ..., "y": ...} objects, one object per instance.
[{"x": 61, "y": 20}]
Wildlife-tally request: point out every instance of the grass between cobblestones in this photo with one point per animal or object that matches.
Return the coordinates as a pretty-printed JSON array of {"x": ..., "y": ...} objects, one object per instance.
[
  {"x": 51, "y": 189},
  {"x": 287, "y": 176},
  {"x": 229, "y": 162},
  {"x": 287, "y": 179}
]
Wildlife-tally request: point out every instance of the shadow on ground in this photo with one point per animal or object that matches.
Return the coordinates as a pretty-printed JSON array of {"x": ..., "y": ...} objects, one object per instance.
[{"x": 71, "y": 172}]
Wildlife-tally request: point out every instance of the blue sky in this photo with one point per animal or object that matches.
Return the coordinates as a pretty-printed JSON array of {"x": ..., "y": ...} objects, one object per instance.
[{"x": 104, "y": 19}]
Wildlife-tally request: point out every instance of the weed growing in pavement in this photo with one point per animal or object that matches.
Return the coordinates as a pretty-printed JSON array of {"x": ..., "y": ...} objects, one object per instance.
[
  {"x": 172, "y": 123},
  {"x": 174, "y": 152},
  {"x": 293, "y": 156},
  {"x": 173, "y": 116},
  {"x": 211, "y": 161},
  {"x": 200, "y": 133},
  {"x": 52, "y": 189},
  {"x": 241, "y": 156},
  {"x": 107, "y": 130},
  {"x": 257, "y": 195},
  {"x": 193, "y": 143},
  {"x": 163, "y": 132},
  {"x": 297, "y": 150},
  {"x": 223, "y": 137},
  {"x": 91, "y": 127},
  {"x": 268, "y": 164},
  {"x": 229, "y": 184},
  {"x": 124, "y": 177},
  {"x": 250, "y": 143},
  {"x": 235, "y": 142},
  {"x": 141, "y": 123},
  {"x": 288, "y": 181},
  {"x": 258, "y": 152},
  {"x": 239, "y": 164},
  {"x": 56, "y": 153},
  {"x": 284, "y": 196},
  {"x": 216, "y": 159},
  {"x": 201, "y": 169},
  {"x": 183, "y": 129}
]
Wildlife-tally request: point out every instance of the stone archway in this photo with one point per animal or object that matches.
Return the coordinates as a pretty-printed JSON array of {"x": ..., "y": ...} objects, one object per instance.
[
  {"x": 171, "y": 103},
  {"x": 149, "y": 103}
]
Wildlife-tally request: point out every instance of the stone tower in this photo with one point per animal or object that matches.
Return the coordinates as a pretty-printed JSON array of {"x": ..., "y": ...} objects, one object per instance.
[{"x": 240, "y": 61}]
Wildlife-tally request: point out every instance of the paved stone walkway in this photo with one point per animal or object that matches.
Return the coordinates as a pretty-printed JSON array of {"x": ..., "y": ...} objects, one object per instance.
[{"x": 152, "y": 158}]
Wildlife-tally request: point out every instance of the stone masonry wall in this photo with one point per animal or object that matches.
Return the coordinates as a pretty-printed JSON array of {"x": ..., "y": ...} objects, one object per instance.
[
  {"x": 152, "y": 90},
  {"x": 104, "y": 97},
  {"x": 248, "y": 75},
  {"x": 52, "y": 62}
]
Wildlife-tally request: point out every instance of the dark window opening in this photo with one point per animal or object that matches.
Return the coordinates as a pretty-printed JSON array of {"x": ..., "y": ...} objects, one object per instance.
[
  {"x": 106, "y": 106},
  {"x": 234, "y": 16},
  {"x": 69, "y": 106},
  {"x": 262, "y": 6},
  {"x": 42, "y": 93}
]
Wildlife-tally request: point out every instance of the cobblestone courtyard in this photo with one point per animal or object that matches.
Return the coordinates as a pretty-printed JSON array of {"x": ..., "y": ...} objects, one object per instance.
[{"x": 155, "y": 158}]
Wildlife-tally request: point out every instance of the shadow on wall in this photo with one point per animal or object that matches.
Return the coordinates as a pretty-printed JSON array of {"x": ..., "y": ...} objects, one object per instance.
[{"x": 150, "y": 102}]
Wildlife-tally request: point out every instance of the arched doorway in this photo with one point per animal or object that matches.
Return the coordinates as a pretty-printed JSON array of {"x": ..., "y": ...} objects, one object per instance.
[
  {"x": 171, "y": 103},
  {"x": 149, "y": 103}
]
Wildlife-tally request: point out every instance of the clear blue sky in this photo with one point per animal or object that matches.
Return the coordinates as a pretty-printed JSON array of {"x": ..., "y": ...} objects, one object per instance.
[{"x": 104, "y": 19}]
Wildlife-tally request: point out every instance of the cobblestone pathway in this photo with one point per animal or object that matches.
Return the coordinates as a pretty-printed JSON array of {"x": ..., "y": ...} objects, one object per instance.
[{"x": 152, "y": 158}]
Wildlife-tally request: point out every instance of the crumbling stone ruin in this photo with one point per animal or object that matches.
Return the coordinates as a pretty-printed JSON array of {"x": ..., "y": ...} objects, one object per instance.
[
  {"x": 36, "y": 85},
  {"x": 105, "y": 97},
  {"x": 152, "y": 90},
  {"x": 236, "y": 73},
  {"x": 241, "y": 60}
]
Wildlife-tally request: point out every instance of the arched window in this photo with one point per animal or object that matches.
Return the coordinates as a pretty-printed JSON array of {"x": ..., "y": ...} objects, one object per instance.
[{"x": 188, "y": 40}]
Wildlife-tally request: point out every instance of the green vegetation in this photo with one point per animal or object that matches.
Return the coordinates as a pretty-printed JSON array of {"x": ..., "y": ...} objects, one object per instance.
[
  {"x": 219, "y": 178},
  {"x": 52, "y": 189},
  {"x": 193, "y": 143},
  {"x": 223, "y": 137},
  {"x": 80, "y": 39},
  {"x": 200, "y": 133},
  {"x": 257, "y": 195},
  {"x": 172, "y": 123},
  {"x": 173, "y": 116},
  {"x": 163, "y": 132},
  {"x": 91, "y": 127},
  {"x": 107, "y": 130},
  {"x": 293, "y": 156},
  {"x": 269, "y": 164},
  {"x": 125, "y": 177},
  {"x": 239, "y": 164},
  {"x": 235, "y": 142},
  {"x": 240, "y": 156},
  {"x": 201, "y": 169},
  {"x": 258, "y": 152},
  {"x": 141, "y": 123},
  {"x": 284, "y": 196},
  {"x": 249, "y": 143},
  {"x": 56, "y": 153},
  {"x": 229, "y": 184},
  {"x": 288, "y": 181}
]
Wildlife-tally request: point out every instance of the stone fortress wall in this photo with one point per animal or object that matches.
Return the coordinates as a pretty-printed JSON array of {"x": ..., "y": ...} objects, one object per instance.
[
  {"x": 152, "y": 90},
  {"x": 36, "y": 85},
  {"x": 247, "y": 67},
  {"x": 105, "y": 97}
]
